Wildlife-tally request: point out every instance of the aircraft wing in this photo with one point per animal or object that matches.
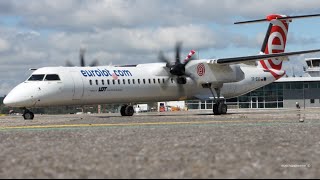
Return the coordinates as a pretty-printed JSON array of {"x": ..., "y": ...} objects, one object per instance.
[{"x": 243, "y": 59}]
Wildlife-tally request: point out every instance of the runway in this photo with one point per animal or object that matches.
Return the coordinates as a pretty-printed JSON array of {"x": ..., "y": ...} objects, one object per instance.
[{"x": 193, "y": 144}]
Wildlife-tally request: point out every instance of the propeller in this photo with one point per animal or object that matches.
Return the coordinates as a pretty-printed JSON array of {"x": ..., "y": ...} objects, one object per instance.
[
  {"x": 178, "y": 69},
  {"x": 82, "y": 59}
]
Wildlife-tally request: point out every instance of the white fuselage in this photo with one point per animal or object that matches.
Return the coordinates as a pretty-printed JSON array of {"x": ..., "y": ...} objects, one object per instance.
[{"x": 111, "y": 84}]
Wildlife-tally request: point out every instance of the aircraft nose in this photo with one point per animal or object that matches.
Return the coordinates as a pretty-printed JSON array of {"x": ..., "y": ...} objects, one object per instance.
[
  {"x": 7, "y": 101},
  {"x": 11, "y": 100},
  {"x": 17, "y": 99}
]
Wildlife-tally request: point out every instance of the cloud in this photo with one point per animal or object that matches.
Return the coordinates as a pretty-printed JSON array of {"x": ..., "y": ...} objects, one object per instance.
[
  {"x": 27, "y": 35},
  {"x": 47, "y": 33},
  {"x": 296, "y": 63},
  {"x": 4, "y": 45},
  {"x": 140, "y": 40},
  {"x": 5, "y": 87},
  {"x": 107, "y": 14}
]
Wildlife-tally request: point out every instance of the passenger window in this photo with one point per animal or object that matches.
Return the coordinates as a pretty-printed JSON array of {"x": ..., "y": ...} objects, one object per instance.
[
  {"x": 90, "y": 82},
  {"x": 144, "y": 81},
  {"x": 52, "y": 77},
  {"x": 163, "y": 81},
  {"x": 97, "y": 82},
  {"x": 159, "y": 81},
  {"x": 138, "y": 81},
  {"x": 133, "y": 81},
  {"x": 118, "y": 81},
  {"x": 128, "y": 81},
  {"x": 102, "y": 82},
  {"x": 154, "y": 81},
  {"x": 108, "y": 81},
  {"x": 124, "y": 81},
  {"x": 113, "y": 81},
  {"x": 36, "y": 77},
  {"x": 149, "y": 81}
]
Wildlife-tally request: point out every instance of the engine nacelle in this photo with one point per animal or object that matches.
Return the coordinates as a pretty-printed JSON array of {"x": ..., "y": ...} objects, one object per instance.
[{"x": 206, "y": 71}]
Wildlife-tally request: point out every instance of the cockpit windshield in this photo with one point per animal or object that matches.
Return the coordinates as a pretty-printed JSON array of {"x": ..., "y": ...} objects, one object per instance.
[
  {"x": 45, "y": 77},
  {"x": 52, "y": 77},
  {"x": 36, "y": 77}
]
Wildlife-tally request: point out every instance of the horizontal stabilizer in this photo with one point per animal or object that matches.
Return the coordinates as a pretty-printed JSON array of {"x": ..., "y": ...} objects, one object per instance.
[
  {"x": 271, "y": 17},
  {"x": 236, "y": 60}
]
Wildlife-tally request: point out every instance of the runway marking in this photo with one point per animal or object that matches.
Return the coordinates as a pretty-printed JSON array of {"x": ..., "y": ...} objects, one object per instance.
[{"x": 252, "y": 122}]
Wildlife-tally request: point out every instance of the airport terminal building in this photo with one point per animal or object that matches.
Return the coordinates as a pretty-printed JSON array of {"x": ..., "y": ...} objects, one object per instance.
[{"x": 283, "y": 93}]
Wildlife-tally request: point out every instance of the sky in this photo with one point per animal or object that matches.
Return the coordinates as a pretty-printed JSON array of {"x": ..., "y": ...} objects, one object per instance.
[{"x": 42, "y": 33}]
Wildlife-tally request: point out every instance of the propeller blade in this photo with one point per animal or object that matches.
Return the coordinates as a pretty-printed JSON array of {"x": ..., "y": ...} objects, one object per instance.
[
  {"x": 69, "y": 64},
  {"x": 191, "y": 76},
  {"x": 82, "y": 51},
  {"x": 190, "y": 57},
  {"x": 178, "y": 48},
  {"x": 181, "y": 91},
  {"x": 166, "y": 83},
  {"x": 95, "y": 63},
  {"x": 162, "y": 58},
  {"x": 177, "y": 70},
  {"x": 193, "y": 58}
]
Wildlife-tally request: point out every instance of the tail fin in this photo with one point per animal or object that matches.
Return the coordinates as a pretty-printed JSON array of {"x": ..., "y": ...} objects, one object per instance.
[{"x": 275, "y": 41}]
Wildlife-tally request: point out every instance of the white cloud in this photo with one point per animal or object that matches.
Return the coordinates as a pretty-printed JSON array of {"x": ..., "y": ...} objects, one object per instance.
[
  {"x": 296, "y": 63},
  {"x": 27, "y": 35},
  {"x": 140, "y": 40},
  {"x": 48, "y": 33},
  {"x": 75, "y": 14}
]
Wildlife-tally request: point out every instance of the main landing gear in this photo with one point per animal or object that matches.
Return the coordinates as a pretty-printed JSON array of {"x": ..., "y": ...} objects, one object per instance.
[
  {"x": 219, "y": 107},
  {"x": 127, "y": 110},
  {"x": 27, "y": 114}
]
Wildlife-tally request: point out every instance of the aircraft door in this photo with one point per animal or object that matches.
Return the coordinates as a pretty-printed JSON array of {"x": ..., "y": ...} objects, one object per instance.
[{"x": 78, "y": 88}]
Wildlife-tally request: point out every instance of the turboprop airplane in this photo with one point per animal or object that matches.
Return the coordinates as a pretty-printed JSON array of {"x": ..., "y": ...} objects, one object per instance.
[{"x": 218, "y": 79}]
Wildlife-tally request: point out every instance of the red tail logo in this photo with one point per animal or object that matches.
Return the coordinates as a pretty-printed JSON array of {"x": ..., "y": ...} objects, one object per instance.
[{"x": 275, "y": 42}]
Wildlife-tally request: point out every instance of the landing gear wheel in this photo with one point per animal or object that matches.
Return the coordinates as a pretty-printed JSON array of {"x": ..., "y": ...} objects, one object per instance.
[
  {"x": 123, "y": 110},
  {"x": 216, "y": 109},
  {"x": 219, "y": 109},
  {"x": 126, "y": 110},
  {"x": 129, "y": 111},
  {"x": 28, "y": 115},
  {"x": 223, "y": 108}
]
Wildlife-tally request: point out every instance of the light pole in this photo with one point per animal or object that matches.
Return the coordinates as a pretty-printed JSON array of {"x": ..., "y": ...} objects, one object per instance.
[{"x": 304, "y": 100}]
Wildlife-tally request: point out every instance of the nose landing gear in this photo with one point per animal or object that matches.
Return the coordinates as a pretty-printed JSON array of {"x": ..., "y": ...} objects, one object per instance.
[{"x": 27, "y": 114}]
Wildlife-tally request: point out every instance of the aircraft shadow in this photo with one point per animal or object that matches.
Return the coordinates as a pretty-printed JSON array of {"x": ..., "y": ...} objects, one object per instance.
[{"x": 167, "y": 115}]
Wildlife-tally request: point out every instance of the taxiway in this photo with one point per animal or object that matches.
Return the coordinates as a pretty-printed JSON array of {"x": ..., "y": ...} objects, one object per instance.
[{"x": 278, "y": 143}]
